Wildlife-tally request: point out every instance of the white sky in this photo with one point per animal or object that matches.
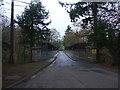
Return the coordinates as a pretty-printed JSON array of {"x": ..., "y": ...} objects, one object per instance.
[{"x": 58, "y": 15}]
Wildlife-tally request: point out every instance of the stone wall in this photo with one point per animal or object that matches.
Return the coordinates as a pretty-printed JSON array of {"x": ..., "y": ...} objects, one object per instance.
[
  {"x": 42, "y": 55},
  {"x": 84, "y": 54}
]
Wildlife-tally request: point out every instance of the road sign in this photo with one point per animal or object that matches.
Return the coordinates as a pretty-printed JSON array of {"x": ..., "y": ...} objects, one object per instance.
[{"x": 94, "y": 51}]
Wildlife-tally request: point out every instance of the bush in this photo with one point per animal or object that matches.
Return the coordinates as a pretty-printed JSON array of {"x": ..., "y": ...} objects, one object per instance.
[{"x": 105, "y": 56}]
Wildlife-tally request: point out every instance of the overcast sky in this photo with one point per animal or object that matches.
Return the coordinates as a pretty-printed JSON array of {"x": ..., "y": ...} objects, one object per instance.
[{"x": 58, "y": 15}]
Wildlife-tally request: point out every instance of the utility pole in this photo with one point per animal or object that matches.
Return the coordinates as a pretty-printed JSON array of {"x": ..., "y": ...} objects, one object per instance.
[{"x": 11, "y": 61}]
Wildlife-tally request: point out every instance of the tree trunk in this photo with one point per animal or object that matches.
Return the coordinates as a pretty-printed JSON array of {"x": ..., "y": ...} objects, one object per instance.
[
  {"x": 11, "y": 61},
  {"x": 95, "y": 28},
  {"x": 95, "y": 21},
  {"x": 31, "y": 54},
  {"x": 31, "y": 41},
  {"x": 118, "y": 49},
  {"x": 24, "y": 52}
]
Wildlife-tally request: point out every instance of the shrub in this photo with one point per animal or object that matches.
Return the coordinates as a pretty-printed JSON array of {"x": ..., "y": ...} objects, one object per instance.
[{"x": 105, "y": 56}]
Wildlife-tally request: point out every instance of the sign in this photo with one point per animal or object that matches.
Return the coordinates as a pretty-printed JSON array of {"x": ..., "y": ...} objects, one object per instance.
[{"x": 94, "y": 51}]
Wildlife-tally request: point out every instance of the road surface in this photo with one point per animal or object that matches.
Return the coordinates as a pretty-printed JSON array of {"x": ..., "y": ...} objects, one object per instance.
[{"x": 66, "y": 73}]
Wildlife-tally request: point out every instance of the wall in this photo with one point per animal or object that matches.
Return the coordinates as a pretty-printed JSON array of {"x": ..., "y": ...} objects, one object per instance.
[
  {"x": 42, "y": 55},
  {"x": 84, "y": 54}
]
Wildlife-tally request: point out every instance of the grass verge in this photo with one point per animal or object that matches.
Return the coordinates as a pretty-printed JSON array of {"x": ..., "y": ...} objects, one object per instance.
[
  {"x": 13, "y": 73},
  {"x": 110, "y": 67}
]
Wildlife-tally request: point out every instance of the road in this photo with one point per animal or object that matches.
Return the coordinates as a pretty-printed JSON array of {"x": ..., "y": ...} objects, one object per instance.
[{"x": 66, "y": 73}]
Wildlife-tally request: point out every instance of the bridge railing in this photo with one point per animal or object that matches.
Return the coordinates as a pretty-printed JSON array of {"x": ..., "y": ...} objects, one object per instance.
[
  {"x": 43, "y": 52},
  {"x": 82, "y": 50}
]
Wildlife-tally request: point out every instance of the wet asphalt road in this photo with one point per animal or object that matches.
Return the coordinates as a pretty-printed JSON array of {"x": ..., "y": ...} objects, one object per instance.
[{"x": 66, "y": 73}]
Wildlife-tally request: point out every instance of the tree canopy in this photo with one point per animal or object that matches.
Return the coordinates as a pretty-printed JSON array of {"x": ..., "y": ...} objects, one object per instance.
[
  {"x": 89, "y": 13},
  {"x": 68, "y": 30},
  {"x": 32, "y": 22}
]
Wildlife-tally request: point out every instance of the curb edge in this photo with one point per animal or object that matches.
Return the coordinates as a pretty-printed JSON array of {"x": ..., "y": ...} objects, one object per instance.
[{"x": 24, "y": 78}]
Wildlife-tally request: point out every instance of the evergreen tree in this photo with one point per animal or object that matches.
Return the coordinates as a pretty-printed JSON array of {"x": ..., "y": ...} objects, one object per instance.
[
  {"x": 32, "y": 22},
  {"x": 68, "y": 30}
]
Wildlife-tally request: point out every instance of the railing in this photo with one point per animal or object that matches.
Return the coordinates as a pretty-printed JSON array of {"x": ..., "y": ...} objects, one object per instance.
[
  {"x": 82, "y": 50},
  {"x": 44, "y": 52}
]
